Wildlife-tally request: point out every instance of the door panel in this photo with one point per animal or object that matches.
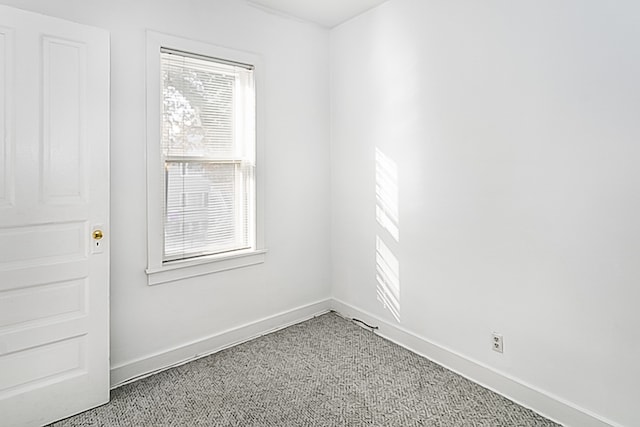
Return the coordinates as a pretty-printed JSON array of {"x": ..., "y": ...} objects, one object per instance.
[
  {"x": 63, "y": 171},
  {"x": 48, "y": 301},
  {"x": 54, "y": 190},
  {"x": 6, "y": 134}
]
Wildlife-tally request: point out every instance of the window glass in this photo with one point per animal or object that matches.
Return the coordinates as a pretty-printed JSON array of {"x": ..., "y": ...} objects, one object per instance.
[{"x": 208, "y": 150}]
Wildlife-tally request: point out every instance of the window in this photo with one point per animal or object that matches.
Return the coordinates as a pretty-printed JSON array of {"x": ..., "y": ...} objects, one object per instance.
[
  {"x": 202, "y": 159},
  {"x": 208, "y": 150}
]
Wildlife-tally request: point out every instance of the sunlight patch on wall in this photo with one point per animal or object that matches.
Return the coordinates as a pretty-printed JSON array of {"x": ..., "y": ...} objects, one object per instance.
[
  {"x": 388, "y": 278},
  {"x": 387, "y": 215},
  {"x": 387, "y": 194}
]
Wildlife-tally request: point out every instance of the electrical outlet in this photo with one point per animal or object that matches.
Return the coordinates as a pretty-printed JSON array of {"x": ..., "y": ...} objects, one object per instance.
[{"x": 497, "y": 343}]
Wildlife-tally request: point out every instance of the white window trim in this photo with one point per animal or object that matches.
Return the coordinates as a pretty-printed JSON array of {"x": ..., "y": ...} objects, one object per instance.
[{"x": 157, "y": 271}]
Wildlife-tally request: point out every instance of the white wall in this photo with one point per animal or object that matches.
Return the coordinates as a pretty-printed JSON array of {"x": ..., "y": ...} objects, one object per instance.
[
  {"x": 515, "y": 130},
  {"x": 147, "y": 320}
]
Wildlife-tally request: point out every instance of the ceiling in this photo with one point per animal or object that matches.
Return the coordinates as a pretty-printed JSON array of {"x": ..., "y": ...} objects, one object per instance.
[{"x": 327, "y": 13}]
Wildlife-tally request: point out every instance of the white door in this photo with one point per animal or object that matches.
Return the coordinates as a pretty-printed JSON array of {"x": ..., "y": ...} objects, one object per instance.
[{"x": 54, "y": 193}]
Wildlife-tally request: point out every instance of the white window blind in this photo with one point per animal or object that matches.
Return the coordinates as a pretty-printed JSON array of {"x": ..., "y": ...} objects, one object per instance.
[{"x": 208, "y": 150}]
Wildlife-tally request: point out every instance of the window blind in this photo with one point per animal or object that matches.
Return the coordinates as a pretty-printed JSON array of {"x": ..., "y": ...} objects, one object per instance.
[{"x": 208, "y": 148}]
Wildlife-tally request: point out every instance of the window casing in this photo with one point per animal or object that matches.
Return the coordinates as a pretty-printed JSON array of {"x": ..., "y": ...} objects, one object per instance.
[{"x": 204, "y": 186}]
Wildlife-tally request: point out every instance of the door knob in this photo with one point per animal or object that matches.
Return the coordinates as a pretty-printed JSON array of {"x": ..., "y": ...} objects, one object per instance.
[{"x": 97, "y": 234}]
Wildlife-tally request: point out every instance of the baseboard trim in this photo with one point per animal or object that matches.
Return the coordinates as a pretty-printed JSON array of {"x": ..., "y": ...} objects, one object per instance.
[
  {"x": 547, "y": 405},
  {"x": 143, "y": 367}
]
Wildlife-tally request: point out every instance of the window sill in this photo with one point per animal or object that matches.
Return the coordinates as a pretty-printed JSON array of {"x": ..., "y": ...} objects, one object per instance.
[{"x": 178, "y": 270}]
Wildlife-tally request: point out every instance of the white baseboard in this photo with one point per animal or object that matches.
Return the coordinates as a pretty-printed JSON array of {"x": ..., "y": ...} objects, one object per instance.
[
  {"x": 545, "y": 404},
  {"x": 149, "y": 365}
]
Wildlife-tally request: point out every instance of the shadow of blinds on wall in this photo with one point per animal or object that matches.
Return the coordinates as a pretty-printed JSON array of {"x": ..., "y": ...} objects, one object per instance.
[{"x": 387, "y": 217}]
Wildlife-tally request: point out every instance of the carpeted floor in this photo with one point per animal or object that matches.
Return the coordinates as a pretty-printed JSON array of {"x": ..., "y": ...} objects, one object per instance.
[{"x": 324, "y": 372}]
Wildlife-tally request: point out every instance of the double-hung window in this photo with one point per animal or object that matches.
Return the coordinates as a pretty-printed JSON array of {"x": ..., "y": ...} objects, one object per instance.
[
  {"x": 208, "y": 150},
  {"x": 205, "y": 148}
]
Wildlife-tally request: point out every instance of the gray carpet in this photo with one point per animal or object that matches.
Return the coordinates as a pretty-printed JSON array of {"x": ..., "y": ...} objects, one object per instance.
[{"x": 324, "y": 372}]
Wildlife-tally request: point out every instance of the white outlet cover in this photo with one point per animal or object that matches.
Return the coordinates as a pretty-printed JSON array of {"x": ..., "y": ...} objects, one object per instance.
[{"x": 497, "y": 343}]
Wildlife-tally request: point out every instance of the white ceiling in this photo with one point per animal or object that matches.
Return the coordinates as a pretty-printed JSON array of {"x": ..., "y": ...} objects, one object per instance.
[{"x": 327, "y": 13}]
